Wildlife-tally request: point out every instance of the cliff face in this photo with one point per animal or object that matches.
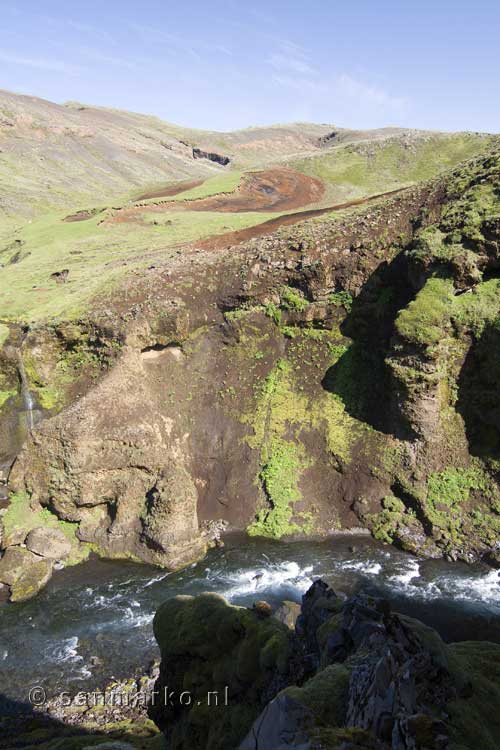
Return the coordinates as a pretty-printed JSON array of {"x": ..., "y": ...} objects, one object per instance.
[
  {"x": 335, "y": 374},
  {"x": 352, "y": 676}
]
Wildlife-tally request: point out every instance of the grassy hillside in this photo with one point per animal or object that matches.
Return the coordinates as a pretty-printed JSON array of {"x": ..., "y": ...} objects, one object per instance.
[
  {"x": 96, "y": 255},
  {"x": 56, "y": 160},
  {"x": 353, "y": 170}
]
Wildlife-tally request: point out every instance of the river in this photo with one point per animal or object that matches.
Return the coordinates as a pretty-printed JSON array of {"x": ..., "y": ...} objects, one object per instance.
[{"x": 93, "y": 622}]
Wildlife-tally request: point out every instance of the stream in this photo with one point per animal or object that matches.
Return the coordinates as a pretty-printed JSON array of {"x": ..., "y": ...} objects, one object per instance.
[{"x": 93, "y": 622}]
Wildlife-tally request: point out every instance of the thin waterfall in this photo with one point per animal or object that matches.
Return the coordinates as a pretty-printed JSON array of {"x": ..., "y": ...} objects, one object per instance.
[{"x": 26, "y": 395}]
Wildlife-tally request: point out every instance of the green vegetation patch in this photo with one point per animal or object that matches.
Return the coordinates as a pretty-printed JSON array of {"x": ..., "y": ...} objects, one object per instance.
[
  {"x": 282, "y": 417},
  {"x": 353, "y": 170},
  {"x": 20, "y": 517},
  {"x": 472, "y": 722},
  {"x": 427, "y": 315},
  {"x": 452, "y": 486},
  {"x": 384, "y": 525},
  {"x": 341, "y": 299},
  {"x": 292, "y": 300},
  {"x": 326, "y": 694},
  {"x": 281, "y": 412},
  {"x": 97, "y": 255},
  {"x": 447, "y": 504},
  {"x": 226, "y": 182}
]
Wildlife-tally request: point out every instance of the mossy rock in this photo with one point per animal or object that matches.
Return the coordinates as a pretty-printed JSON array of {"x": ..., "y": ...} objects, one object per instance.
[
  {"x": 474, "y": 718},
  {"x": 326, "y": 694},
  {"x": 209, "y": 645},
  {"x": 31, "y": 580}
]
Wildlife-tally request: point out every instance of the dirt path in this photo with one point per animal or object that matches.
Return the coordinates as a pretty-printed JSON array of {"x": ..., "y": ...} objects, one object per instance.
[{"x": 218, "y": 242}]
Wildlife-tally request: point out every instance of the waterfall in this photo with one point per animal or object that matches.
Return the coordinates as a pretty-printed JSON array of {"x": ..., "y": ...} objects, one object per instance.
[{"x": 29, "y": 403}]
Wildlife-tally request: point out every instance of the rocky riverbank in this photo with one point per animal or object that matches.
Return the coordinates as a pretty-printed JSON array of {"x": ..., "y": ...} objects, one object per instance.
[{"x": 351, "y": 675}]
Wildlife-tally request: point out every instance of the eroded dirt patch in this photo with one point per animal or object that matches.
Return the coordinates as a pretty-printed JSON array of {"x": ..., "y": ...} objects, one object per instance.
[
  {"x": 169, "y": 190},
  {"x": 270, "y": 190},
  {"x": 83, "y": 215},
  {"x": 267, "y": 227},
  {"x": 266, "y": 190}
]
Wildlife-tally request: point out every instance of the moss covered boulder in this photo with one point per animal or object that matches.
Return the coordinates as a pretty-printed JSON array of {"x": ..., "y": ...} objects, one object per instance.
[
  {"x": 353, "y": 676},
  {"x": 220, "y": 665},
  {"x": 24, "y": 572}
]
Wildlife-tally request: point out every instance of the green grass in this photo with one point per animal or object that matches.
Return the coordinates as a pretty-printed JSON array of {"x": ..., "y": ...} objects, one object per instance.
[
  {"x": 97, "y": 257},
  {"x": 425, "y": 317},
  {"x": 341, "y": 299},
  {"x": 352, "y": 171},
  {"x": 227, "y": 182},
  {"x": 292, "y": 300}
]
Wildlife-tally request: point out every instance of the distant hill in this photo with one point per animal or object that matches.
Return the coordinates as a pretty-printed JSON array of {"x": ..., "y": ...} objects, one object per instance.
[{"x": 55, "y": 155}]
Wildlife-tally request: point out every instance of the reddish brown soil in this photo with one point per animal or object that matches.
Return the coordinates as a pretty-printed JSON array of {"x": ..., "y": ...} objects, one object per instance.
[
  {"x": 268, "y": 190},
  {"x": 169, "y": 191},
  {"x": 265, "y": 191},
  {"x": 267, "y": 227}
]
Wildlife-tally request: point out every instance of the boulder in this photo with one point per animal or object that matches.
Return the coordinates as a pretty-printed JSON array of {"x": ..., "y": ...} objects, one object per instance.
[
  {"x": 31, "y": 581},
  {"x": 12, "y": 536},
  {"x": 283, "y": 725},
  {"x": 13, "y": 562},
  {"x": 50, "y": 543},
  {"x": 220, "y": 664},
  {"x": 288, "y": 613},
  {"x": 24, "y": 572},
  {"x": 170, "y": 527}
]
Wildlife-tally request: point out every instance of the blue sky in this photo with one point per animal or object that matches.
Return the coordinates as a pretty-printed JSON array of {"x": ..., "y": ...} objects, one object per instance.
[{"x": 229, "y": 64}]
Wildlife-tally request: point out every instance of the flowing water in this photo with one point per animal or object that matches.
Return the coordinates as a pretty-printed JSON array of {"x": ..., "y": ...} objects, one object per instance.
[
  {"x": 30, "y": 410},
  {"x": 94, "y": 622}
]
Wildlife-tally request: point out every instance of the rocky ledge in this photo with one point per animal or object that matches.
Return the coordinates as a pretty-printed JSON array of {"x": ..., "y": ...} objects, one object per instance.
[{"x": 353, "y": 675}]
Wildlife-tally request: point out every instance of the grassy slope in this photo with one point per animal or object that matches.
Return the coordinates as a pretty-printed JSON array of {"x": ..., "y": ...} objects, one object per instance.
[
  {"x": 96, "y": 255},
  {"x": 356, "y": 170}
]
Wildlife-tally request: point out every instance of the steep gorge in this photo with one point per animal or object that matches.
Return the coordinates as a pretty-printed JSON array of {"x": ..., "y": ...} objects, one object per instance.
[{"x": 333, "y": 375}]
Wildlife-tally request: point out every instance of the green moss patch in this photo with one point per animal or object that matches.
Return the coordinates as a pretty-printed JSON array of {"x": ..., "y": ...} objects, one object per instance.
[
  {"x": 280, "y": 409},
  {"x": 20, "y": 517},
  {"x": 425, "y": 318}
]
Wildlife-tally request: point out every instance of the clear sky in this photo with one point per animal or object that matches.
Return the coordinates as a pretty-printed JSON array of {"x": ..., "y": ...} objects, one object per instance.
[{"x": 227, "y": 64}]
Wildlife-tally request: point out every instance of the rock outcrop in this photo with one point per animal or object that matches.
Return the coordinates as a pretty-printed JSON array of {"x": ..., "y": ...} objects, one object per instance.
[
  {"x": 50, "y": 543},
  {"x": 353, "y": 676},
  {"x": 198, "y": 153}
]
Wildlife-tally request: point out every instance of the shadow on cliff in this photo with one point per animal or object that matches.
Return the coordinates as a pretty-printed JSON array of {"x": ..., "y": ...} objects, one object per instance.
[
  {"x": 22, "y": 726},
  {"x": 360, "y": 377},
  {"x": 479, "y": 395}
]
